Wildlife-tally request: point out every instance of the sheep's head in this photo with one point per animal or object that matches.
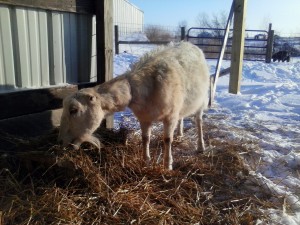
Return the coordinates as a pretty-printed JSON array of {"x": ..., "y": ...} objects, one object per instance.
[{"x": 82, "y": 115}]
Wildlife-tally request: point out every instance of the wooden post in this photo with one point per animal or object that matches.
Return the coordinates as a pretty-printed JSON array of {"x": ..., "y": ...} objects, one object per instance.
[
  {"x": 182, "y": 33},
  {"x": 237, "y": 51},
  {"x": 270, "y": 44},
  {"x": 1, "y": 218},
  {"x": 116, "y": 39},
  {"x": 104, "y": 32}
]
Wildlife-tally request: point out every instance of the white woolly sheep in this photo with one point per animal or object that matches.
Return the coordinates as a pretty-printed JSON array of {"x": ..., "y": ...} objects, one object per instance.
[{"x": 166, "y": 85}]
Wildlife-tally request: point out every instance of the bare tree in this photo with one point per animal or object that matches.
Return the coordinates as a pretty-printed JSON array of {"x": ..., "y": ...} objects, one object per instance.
[
  {"x": 157, "y": 33},
  {"x": 214, "y": 21}
]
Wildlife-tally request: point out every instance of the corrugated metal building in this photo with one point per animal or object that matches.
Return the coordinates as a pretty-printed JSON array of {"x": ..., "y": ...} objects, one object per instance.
[
  {"x": 128, "y": 17},
  {"x": 42, "y": 48}
]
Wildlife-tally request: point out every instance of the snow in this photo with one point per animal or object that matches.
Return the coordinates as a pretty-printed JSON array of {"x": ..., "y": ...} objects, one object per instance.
[{"x": 267, "y": 111}]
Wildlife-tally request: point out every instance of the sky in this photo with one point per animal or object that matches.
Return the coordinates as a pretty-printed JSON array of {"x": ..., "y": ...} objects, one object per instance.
[{"x": 283, "y": 14}]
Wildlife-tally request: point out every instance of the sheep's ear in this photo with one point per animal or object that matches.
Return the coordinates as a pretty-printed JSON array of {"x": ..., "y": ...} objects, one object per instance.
[
  {"x": 107, "y": 102},
  {"x": 90, "y": 98}
]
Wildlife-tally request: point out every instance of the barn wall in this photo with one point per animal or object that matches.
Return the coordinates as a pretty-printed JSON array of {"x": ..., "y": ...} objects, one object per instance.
[
  {"x": 44, "y": 48},
  {"x": 41, "y": 48}
]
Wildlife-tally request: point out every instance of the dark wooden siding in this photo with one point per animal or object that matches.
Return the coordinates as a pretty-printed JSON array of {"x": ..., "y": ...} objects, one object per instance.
[{"x": 76, "y": 6}]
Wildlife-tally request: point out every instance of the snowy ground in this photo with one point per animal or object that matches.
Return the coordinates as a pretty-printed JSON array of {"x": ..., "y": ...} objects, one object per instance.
[{"x": 267, "y": 112}]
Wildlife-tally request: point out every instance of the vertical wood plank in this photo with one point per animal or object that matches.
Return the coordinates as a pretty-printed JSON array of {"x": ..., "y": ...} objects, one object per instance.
[
  {"x": 7, "y": 70},
  {"x": 104, "y": 30},
  {"x": 237, "y": 46}
]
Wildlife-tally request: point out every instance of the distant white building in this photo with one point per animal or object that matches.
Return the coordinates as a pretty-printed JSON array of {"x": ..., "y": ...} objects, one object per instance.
[{"x": 128, "y": 17}]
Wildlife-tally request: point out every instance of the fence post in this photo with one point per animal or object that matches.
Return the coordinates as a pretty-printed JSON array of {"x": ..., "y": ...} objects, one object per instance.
[
  {"x": 116, "y": 39},
  {"x": 182, "y": 33},
  {"x": 270, "y": 44}
]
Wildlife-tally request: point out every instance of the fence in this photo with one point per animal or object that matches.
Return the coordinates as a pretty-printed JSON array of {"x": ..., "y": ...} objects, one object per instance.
[
  {"x": 210, "y": 41},
  {"x": 257, "y": 42}
]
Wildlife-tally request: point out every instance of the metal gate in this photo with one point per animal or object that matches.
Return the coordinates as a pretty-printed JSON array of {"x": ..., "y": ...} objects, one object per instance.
[{"x": 210, "y": 41}]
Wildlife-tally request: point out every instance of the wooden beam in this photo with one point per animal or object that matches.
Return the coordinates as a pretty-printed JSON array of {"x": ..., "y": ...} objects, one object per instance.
[
  {"x": 104, "y": 32},
  {"x": 213, "y": 81},
  {"x": 237, "y": 46},
  {"x": 76, "y": 6},
  {"x": 35, "y": 100}
]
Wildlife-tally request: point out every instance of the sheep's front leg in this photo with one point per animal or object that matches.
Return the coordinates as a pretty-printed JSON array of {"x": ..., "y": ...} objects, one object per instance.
[
  {"x": 146, "y": 132},
  {"x": 198, "y": 117},
  {"x": 169, "y": 127},
  {"x": 180, "y": 128}
]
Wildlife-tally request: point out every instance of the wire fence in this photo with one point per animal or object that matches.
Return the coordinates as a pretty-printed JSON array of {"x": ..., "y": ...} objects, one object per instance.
[
  {"x": 138, "y": 39},
  {"x": 210, "y": 41}
]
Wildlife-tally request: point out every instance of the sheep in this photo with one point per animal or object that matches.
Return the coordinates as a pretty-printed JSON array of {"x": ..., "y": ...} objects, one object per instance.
[
  {"x": 166, "y": 85},
  {"x": 281, "y": 55}
]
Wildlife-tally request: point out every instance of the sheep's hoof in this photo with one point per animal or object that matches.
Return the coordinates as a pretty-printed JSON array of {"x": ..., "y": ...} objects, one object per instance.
[
  {"x": 168, "y": 166},
  {"x": 180, "y": 137},
  {"x": 201, "y": 149},
  {"x": 147, "y": 161}
]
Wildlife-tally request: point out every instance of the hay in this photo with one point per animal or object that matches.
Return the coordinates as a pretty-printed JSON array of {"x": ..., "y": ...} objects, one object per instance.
[{"x": 40, "y": 183}]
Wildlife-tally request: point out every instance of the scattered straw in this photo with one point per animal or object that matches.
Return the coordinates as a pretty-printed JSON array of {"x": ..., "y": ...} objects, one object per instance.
[{"x": 40, "y": 183}]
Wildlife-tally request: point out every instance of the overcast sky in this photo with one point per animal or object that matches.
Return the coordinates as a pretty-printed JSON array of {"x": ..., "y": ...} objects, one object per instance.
[{"x": 283, "y": 14}]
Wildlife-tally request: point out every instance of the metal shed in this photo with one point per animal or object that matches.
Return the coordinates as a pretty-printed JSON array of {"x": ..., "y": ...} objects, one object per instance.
[{"x": 43, "y": 47}]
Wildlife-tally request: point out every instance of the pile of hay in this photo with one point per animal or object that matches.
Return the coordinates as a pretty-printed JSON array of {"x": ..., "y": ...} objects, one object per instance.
[{"x": 40, "y": 183}]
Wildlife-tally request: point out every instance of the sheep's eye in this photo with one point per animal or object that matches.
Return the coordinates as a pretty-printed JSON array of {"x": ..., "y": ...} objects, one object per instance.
[{"x": 73, "y": 111}]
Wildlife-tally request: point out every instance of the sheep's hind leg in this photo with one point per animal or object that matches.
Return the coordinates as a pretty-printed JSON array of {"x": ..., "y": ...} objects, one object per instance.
[
  {"x": 146, "y": 132},
  {"x": 169, "y": 127},
  {"x": 201, "y": 145}
]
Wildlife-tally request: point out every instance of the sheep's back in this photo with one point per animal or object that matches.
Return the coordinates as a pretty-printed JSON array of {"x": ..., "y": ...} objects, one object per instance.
[{"x": 173, "y": 78}]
